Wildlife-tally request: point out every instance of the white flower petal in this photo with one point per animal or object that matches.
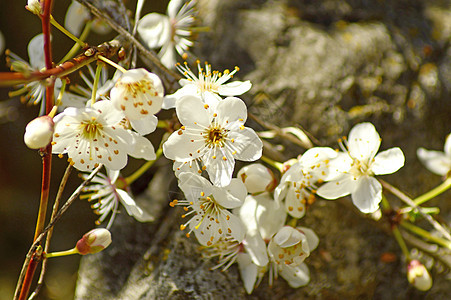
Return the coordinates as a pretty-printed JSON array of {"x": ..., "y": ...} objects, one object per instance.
[
  {"x": 174, "y": 7},
  {"x": 447, "y": 147},
  {"x": 76, "y": 17},
  {"x": 435, "y": 161},
  {"x": 270, "y": 216},
  {"x": 295, "y": 206},
  {"x": 368, "y": 194},
  {"x": 363, "y": 142},
  {"x": 256, "y": 247},
  {"x": 36, "y": 52},
  {"x": 192, "y": 111},
  {"x": 316, "y": 161},
  {"x": 312, "y": 238},
  {"x": 132, "y": 208},
  {"x": 109, "y": 114},
  {"x": 142, "y": 148},
  {"x": 192, "y": 166},
  {"x": 234, "y": 88},
  {"x": 288, "y": 236},
  {"x": 167, "y": 55},
  {"x": 211, "y": 99},
  {"x": 247, "y": 144},
  {"x": 220, "y": 170},
  {"x": 183, "y": 146},
  {"x": 231, "y": 109},
  {"x": 232, "y": 195},
  {"x": 146, "y": 125},
  {"x": 154, "y": 29},
  {"x": 388, "y": 161},
  {"x": 248, "y": 271},
  {"x": 234, "y": 226},
  {"x": 341, "y": 186},
  {"x": 193, "y": 185},
  {"x": 296, "y": 276}
]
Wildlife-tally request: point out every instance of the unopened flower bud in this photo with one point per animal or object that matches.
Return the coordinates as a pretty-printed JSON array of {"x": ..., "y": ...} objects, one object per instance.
[
  {"x": 257, "y": 178},
  {"x": 94, "y": 241},
  {"x": 34, "y": 6},
  {"x": 39, "y": 132},
  {"x": 418, "y": 275},
  {"x": 287, "y": 165}
]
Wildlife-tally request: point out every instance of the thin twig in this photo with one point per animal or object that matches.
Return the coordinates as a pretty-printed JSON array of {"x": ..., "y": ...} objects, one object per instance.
[
  {"x": 38, "y": 240},
  {"x": 280, "y": 132},
  {"x": 403, "y": 197},
  {"x": 49, "y": 234}
]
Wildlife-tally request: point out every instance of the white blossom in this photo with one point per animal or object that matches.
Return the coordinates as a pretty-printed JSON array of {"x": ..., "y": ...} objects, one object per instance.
[
  {"x": 91, "y": 136},
  {"x": 299, "y": 181},
  {"x": 287, "y": 250},
  {"x": 211, "y": 219},
  {"x": 357, "y": 166},
  {"x": 171, "y": 33},
  {"x": 104, "y": 190},
  {"x": 208, "y": 85},
  {"x": 35, "y": 90},
  {"x": 435, "y": 161},
  {"x": 216, "y": 136},
  {"x": 76, "y": 17},
  {"x": 138, "y": 93}
]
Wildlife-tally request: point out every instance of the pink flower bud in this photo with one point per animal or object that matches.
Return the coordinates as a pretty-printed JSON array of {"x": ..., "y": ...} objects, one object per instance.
[
  {"x": 287, "y": 165},
  {"x": 94, "y": 241},
  {"x": 418, "y": 275},
  {"x": 257, "y": 178},
  {"x": 39, "y": 132}
]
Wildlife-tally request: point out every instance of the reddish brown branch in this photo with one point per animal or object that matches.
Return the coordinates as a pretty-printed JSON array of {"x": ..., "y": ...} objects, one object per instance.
[
  {"x": 34, "y": 262},
  {"x": 107, "y": 49}
]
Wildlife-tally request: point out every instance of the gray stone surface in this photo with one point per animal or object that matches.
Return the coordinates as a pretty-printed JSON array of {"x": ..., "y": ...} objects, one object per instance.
[{"x": 324, "y": 65}]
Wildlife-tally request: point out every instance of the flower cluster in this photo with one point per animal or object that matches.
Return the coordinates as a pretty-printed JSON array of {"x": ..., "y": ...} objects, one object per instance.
[
  {"x": 170, "y": 33},
  {"x": 251, "y": 217}
]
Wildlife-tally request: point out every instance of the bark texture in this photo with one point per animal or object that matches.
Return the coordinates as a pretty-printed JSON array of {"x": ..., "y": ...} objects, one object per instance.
[{"x": 324, "y": 65}]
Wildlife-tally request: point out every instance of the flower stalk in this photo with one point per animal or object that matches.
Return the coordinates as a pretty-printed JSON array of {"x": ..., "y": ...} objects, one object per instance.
[
  {"x": 401, "y": 242},
  {"x": 67, "y": 33},
  {"x": 434, "y": 192},
  {"x": 426, "y": 234},
  {"x": 73, "y": 51},
  {"x": 112, "y": 63},
  {"x": 96, "y": 82},
  {"x": 273, "y": 163}
]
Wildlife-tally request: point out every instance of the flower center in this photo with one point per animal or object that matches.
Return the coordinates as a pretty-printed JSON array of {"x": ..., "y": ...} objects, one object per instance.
[
  {"x": 290, "y": 255},
  {"x": 215, "y": 137},
  {"x": 359, "y": 168},
  {"x": 91, "y": 129}
]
